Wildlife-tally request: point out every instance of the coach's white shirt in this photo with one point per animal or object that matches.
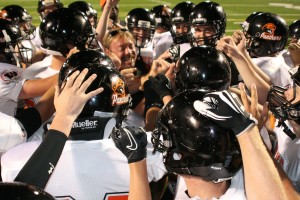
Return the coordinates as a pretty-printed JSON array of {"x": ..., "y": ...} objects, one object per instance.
[
  {"x": 86, "y": 170},
  {"x": 236, "y": 190}
]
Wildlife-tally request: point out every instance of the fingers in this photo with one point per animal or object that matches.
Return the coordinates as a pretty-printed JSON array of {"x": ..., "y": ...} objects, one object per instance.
[
  {"x": 244, "y": 97},
  {"x": 79, "y": 79},
  {"x": 254, "y": 99},
  {"x": 57, "y": 92},
  {"x": 84, "y": 85},
  {"x": 70, "y": 80}
]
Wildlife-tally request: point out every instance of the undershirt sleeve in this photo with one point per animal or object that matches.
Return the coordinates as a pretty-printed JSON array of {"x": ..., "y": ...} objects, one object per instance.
[
  {"x": 30, "y": 119},
  {"x": 41, "y": 164}
]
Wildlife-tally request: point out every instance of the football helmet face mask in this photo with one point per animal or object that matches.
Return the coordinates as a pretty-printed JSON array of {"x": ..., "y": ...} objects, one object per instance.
[
  {"x": 11, "y": 48},
  {"x": 63, "y": 29},
  {"x": 162, "y": 16},
  {"x": 21, "y": 18},
  {"x": 46, "y": 6},
  {"x": 208, "y": 23},
  {"x": 141, "y": 23},
  {"x": 203, "y": 68},
  {"x": 110, "y": 105},
  {"x": 245, "y": 24},
  {"x": 294, "y": 31},
  {"x": 282, "y": 108},
  {"x": 194, "y": 145},
  {"x": 180, "y": 21},
  {"x": 266, "y": 34},
  {"x": 87, "y": 9}
]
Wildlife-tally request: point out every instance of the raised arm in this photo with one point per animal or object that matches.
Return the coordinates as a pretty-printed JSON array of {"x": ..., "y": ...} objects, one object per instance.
[
  {"x": 262, "y": 180},
  {"x": 102, "y": 24},
  {"x": 132, "y": 143},
  {"x": 41, "y": 164},
  {"x": 249, "y": 75}
]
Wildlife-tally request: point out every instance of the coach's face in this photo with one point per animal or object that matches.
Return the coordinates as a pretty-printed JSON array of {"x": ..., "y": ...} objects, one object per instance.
[{"x": 124, "y": 49}]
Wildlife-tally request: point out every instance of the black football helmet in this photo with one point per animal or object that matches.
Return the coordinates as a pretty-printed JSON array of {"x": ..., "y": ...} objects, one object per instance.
[
  {"x": 46, "y": 6},
  {"x": 162, "y": 16},
  {"x": 207, "y": 13},
  {"x": 87, "y": 9},
  {"x": 266, "y": 34},
  {"x": 141, "y": 23},
  {"x": 203, "y": 68},
  {"x": 294, "y": 31},
  {"x": 63, "y": 29},
  {"x": 180, "y": 21},
  {"x": 245, "y": 24},
  {"x": 193, "y": 144},
  {"x": 11, "y": 48},
  {"x": 21, "y": 18},
  {"x": 22, "y": 191},
  {"x": 111, "y": 104}
]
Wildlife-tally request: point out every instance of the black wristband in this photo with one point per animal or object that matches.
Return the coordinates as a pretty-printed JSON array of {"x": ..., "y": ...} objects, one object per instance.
[{"x": 31, "y": 120}]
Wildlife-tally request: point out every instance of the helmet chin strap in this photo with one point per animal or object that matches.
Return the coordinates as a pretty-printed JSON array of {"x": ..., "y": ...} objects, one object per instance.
[
  {"x": 286, "y": 129},
  {"x": 215, "y": 173}
]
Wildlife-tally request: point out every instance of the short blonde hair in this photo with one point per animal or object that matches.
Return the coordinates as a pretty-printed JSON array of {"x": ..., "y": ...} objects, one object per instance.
[{"x": 117, "y": 34}]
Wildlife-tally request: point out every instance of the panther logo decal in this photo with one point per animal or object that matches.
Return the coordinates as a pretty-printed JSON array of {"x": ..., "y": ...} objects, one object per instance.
[
  {"x": 119, "y": 95},
  {"x": 269, "y": 32}
]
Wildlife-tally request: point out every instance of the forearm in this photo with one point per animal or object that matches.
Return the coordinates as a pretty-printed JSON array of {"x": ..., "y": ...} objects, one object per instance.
[
  {"x": 40, "y": 166},
  {"x": 139, "y": 186},
  {"x": 62, "y": 124},
  {"x": 36, "y": 88},
  {"x": 289, "y": 189},
  {"x": 45, "y": 106},
  {"x": 249, "y": 77},
  {"x": 102, "y": 24},
  {"x": 262, "y": 74},
  {"x": 262, "y": 180}
]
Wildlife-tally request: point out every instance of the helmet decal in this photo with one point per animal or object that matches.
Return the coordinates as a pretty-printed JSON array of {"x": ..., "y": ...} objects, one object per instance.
[
  {"x": 269, "y": 31},
  {"x": 3, "y": 14},
  {"x": 119, "y": 95}
]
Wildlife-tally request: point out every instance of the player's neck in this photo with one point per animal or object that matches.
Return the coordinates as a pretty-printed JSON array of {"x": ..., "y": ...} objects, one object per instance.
[{"x": 204, "y": 189}]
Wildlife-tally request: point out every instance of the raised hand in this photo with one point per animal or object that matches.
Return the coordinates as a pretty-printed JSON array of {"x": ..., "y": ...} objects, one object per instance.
[
  {"x": 70, "y": 100},
  {"x": 131, "y": 142},
  {"x": 226, "y": 110}
]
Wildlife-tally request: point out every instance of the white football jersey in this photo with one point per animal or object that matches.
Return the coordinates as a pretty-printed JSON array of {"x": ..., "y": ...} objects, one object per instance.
[
  {"x": 184, "y": 48},
  {"x": 161, "y": 42},
  {"x": 288, "y": 155},
  {"x": 11, "y": 83},
  {"x": 40, "y": 69},
  {"x": 86, "y": 169},
  {"x": 147, "y": 55},
  {"x": 12, "y": 133},
  {"x": 275, "y": 68},
  {"x": 286, "y": 57},
  {"x": 236, "y": 190}
]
